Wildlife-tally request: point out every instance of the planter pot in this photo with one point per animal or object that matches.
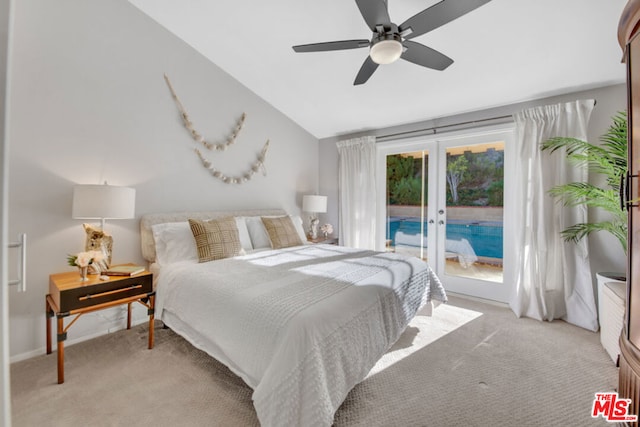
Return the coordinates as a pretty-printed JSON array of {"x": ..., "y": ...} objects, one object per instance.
[
  {"x": 604, "y": 278},
  {"x": 612, "y": 293}
]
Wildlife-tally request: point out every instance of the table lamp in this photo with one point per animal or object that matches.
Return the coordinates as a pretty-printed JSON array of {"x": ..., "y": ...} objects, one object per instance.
[{"x": 102, "y": 202}]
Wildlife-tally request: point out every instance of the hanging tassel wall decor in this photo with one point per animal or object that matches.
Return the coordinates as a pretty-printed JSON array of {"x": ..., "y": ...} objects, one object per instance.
[
  {"x": 240, "y": 179},
  {"x": 257, "y": 166}
]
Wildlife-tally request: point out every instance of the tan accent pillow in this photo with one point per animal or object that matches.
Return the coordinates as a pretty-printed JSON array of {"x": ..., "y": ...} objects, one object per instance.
[
  {"x": 216, "y": 238},
  {"x": 282, "y": 232}
]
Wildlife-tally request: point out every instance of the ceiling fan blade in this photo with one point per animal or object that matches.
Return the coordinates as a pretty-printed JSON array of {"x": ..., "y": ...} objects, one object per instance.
[
  {"x": 327, "y": 46},
  {"x": 374, "y": 12},
  {"x": 437, "y": 15},
  {"x": 367, "y": 69},
  {"x": 422, "y": 55}
]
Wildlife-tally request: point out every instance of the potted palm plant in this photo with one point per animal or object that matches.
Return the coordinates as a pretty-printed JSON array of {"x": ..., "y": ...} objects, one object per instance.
[{"x": 608, "y": 159}]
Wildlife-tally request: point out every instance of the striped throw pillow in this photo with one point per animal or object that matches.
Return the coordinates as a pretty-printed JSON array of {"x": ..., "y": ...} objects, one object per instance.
[
  {"x": 216, "y": 238},
  {"x": 282, "y": 232}
]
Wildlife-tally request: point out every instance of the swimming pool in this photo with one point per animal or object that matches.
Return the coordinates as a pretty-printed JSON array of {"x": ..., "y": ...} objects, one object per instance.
[{"x": 485, "y": 237}]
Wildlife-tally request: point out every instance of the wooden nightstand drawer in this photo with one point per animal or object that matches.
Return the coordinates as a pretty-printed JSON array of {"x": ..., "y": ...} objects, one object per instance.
[{"x": 69, "y": 294}]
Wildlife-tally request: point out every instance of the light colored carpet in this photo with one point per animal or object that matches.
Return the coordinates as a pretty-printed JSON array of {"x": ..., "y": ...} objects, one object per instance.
[{"x": 471, "y": 364}]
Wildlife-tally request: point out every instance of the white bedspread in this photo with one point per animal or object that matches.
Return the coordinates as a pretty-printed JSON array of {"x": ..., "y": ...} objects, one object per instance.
[{"x": 301, "y": 325}]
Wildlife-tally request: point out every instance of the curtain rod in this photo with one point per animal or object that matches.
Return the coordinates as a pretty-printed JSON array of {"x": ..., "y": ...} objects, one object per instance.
[{"x": 433, "y": 130}]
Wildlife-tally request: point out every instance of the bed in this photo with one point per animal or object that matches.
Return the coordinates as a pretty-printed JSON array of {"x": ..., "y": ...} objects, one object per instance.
[{"x": 301, "y": 324}]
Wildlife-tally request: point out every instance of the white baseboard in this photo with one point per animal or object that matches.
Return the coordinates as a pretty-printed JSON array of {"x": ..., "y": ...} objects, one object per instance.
[
  {"x": 43, "y": 350},
  {"x": 477, "y": 299}
]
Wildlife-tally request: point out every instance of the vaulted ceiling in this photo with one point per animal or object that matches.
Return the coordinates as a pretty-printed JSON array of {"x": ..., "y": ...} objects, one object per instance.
[{"x": 506, "y": 51}]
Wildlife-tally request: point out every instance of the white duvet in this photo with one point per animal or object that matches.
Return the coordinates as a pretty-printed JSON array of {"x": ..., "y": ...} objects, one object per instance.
[{"x": 300, "y": 325}]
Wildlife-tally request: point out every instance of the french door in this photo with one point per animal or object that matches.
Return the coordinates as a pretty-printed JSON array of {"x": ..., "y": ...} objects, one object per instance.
[{"x": 444, "y": 202}]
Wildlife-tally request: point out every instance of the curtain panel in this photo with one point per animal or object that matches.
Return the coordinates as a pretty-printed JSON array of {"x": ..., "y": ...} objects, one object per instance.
[
  {"x": 357, "y": 192},
  {"x": 553, "y": 279}
]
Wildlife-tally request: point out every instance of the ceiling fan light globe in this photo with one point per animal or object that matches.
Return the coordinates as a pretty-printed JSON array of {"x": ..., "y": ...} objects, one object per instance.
[{"x": 386, "y": 51}]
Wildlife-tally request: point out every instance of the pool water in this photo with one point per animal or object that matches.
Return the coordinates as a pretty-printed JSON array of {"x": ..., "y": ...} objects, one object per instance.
[{"x": 485, "y": 237}]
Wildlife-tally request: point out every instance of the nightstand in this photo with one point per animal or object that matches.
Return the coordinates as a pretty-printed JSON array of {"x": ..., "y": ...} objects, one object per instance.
[
  {"x": 324, "y": 241},
  {"x": 68, "y": 296}
]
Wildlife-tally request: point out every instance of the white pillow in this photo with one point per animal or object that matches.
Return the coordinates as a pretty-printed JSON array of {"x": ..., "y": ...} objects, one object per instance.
[
  {"x": 174, "y": 242},
  {"x": 297, "y": 223},
  {"x": 260, "y": 237},
  {"x": 243, "y": 233},
  {"x": 257, "y": 232}
]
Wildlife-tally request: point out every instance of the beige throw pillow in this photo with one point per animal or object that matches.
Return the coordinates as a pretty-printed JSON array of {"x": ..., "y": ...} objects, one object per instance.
[
  {"x": 282, "y": 232},
  {"x": 216, "y": 238}
]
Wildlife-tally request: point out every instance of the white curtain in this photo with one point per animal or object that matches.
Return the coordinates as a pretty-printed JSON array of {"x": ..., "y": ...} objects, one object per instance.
[
  {"x": 553, "y": 279},
  {"x": 357, "y": 192}
]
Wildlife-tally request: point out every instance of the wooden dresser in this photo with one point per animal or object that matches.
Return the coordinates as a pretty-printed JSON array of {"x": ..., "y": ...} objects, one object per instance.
[{"x": 629, "y": 375}]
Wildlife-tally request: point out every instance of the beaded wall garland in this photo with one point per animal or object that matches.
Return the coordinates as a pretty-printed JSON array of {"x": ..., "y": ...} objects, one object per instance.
[{"x": 257, "y": 166}]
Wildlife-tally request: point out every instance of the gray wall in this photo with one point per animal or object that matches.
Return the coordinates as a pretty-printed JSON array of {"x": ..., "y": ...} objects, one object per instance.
[
  {"x": 606, "y": 254},
  {"x": 88, "y": 103}
]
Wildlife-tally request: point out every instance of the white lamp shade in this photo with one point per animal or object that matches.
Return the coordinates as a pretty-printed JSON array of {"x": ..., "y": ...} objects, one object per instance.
[
  {"x": 317, "y": 204},
  {"x": 103, "y": 202}
]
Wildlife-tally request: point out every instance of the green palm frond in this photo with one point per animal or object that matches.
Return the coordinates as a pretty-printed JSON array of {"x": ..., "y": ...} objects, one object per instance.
[
  {"x": 577, "y": 232},
  {"x": 608, "y": 159},
  {"x": 584, "y": 193}
]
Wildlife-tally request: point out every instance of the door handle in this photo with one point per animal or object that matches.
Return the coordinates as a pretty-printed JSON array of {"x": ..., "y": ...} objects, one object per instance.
[
  {"x": 22, "y": 271},
  {"x": 626, "y": 201},
  {"x": 623, "y": 192}
]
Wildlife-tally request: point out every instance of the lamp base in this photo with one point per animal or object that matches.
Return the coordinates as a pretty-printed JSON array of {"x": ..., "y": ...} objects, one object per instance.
[
  {"x": 313, "y": 227},
  {"x": 98, "y": 240}
]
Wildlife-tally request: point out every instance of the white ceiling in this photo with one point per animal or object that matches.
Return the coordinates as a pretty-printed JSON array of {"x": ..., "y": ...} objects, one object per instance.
[{"x": 506, "y": 51}]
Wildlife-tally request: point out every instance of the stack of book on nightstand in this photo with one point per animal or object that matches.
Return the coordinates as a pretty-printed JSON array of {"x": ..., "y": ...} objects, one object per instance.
[{"x": 124, "y": 270}]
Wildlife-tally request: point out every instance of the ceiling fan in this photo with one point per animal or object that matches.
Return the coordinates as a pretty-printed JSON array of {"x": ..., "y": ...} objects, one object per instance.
[{"x": 391, "y": 42}]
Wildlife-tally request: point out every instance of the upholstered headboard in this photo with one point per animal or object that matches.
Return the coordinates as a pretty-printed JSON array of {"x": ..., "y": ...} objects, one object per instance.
[{"x": 147, "y": 220}]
